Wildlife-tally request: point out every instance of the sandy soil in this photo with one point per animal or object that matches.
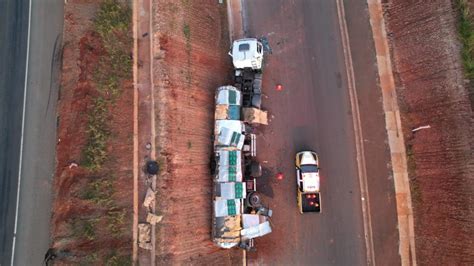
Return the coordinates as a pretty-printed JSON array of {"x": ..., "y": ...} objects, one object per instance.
[
  {"x": 85, "y": 230},
  {"x": 433, "y": 91},
  {"x": 190, "y": 62}
]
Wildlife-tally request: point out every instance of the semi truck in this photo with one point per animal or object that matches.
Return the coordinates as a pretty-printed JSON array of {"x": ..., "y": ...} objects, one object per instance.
[{"x": 239, "y": 216}]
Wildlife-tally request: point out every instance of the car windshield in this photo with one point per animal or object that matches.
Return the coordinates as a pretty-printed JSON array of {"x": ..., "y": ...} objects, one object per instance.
[{"x": 309, "y": 168}]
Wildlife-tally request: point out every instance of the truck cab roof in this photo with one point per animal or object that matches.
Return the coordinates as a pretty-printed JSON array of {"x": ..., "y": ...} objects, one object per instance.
[{"x": 247, "y": 53}]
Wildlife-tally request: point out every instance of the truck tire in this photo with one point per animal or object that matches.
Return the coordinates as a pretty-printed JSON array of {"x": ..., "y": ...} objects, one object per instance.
[
  {"x": 254, "y": 200},
  {"x": 238, "y": 79},
  {"x": 248, "y": 128},
  {"x": 152, "y": 167},
  {"x": 257, "y": 100},
  {"x": 213, "y": 165},
  {"x": 255, "y": 169}
]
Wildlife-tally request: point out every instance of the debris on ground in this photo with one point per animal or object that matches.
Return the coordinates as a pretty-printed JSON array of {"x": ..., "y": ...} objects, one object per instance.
[
  {"x": 255, "y": 116},
  {"x": 149, "y": 198},
  {"x": 144, "y": 236},
  {"x": 153, "y": 218},
  {"x": 152, "y": 167}
]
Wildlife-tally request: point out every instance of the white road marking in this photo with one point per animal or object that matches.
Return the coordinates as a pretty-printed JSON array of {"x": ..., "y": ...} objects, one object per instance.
[
  {"x": 22, "y": 132},
  {"x": 361, "y": 166}
]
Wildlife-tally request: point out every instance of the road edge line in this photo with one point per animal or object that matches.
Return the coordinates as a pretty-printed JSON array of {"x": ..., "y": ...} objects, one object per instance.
[
  {"x": 20, "y": 164},
  {"x": 135, "y": 133},
  {"x": 361, "y": 165},
  {"x": 395, "y": 135}
]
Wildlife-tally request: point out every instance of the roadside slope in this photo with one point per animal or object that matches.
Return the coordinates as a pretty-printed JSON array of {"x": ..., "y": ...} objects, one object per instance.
[
  {"x": 432, "y": 91},
  {"x": 92, "y": 208},
  {"x": 190, "y": 62}
]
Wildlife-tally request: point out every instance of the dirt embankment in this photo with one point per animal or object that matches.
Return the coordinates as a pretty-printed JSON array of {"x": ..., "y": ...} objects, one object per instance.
[
  {"x": 91, "y": 222},
  {"x": 190, "y": 62},
  {"x": 432, "y": 91}
]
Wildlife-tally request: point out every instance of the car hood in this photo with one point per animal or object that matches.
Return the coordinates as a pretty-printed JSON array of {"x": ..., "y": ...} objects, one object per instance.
[{"x": 308, "y": 158}]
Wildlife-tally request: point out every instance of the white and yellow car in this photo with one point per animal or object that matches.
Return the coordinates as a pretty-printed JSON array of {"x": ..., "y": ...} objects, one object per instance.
[{"x": 307, "y": 180}]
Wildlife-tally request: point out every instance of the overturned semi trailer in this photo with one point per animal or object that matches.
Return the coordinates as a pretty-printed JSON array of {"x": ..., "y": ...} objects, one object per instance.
[{"x": 237, "y": 217}]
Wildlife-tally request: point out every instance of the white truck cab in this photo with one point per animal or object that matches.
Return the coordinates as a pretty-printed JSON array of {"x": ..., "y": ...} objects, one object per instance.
[{"x": 247, "y": 53}]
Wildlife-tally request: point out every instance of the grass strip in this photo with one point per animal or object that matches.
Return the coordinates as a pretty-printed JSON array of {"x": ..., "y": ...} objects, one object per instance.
[
  {"x": 466, "y": 35},
  {"x": 112, "y": 23}
]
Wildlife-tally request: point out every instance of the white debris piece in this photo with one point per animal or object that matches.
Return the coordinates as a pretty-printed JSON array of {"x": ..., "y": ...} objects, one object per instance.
[
  {"x": 149, "y": 198},
  {"x": 153, "y": 218},
  {"x": 144, "y": 236}
]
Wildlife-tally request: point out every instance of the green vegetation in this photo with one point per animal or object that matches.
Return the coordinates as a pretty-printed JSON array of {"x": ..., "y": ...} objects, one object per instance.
[
  {"x": 115, "y": 221},
  {"x": 95, "y": 150},
  {"x": 187, "y": 36},
  {"x": 100, "y": 192},
  {"x": 85, "y": 228},
  {"x": 411, "y": 168},
  {"x": 466, "y": 34},
  {"x": 112, "y": 17},
  {"x": 116, "y": 260},
  {"x": 90, "y": 259},
  {"x": 187, "y": 32},
  {"x": 112, "y": 23}
]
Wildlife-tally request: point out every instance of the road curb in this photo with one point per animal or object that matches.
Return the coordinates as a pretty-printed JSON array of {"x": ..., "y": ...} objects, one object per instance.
[
  {"x": 395, "y": 135},
  {"x": 235, "y": 19}
]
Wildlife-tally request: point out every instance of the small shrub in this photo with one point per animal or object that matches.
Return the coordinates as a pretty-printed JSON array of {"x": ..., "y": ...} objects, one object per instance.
[
  {"x": 116, "y": 260},
  {"x": 112, "y": 16},
  {"x": 187, "y": 32},
  {"x": 112, "y": 22},
  {"x": 100, "y": 192},
  {"x": 466, "y": 34},
  {"x": 90, "y": 259},
  {"x": 84, "y": 228},
  {"x": 115, "y": 221}
]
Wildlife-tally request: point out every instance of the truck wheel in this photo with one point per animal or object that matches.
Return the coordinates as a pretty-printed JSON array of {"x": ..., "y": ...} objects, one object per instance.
[
  {"x": 254, "y": 200},
  {"x": 255, "y": 169},
  {"x": 238, "y": 79},
  {"x": 152, "y": 167},
  {"x": 257, "y": 101},
  {"x": 213, "y": 165}
]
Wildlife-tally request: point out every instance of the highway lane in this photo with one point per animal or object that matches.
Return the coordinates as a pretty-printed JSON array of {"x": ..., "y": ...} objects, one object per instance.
[
  {"x": 40, "y": 132},
  {"x": 13, "y": 37},
  {"x": 314, "y": 112},
  {"x": 39, "y": 139}
]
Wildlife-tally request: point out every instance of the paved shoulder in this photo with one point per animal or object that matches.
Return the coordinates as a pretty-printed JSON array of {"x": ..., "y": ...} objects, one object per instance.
[{"x": 34, "y": 214}]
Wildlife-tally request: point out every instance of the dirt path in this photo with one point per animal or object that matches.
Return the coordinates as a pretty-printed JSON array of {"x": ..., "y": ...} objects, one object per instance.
[{"x": 144, "y": 129}]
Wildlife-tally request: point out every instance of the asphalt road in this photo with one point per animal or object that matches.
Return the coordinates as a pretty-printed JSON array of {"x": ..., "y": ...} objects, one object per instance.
[
  {"x": 34, "y": 208},
  {"x": 313, "y": 111},
  {"x": 13, "y": 36}
]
